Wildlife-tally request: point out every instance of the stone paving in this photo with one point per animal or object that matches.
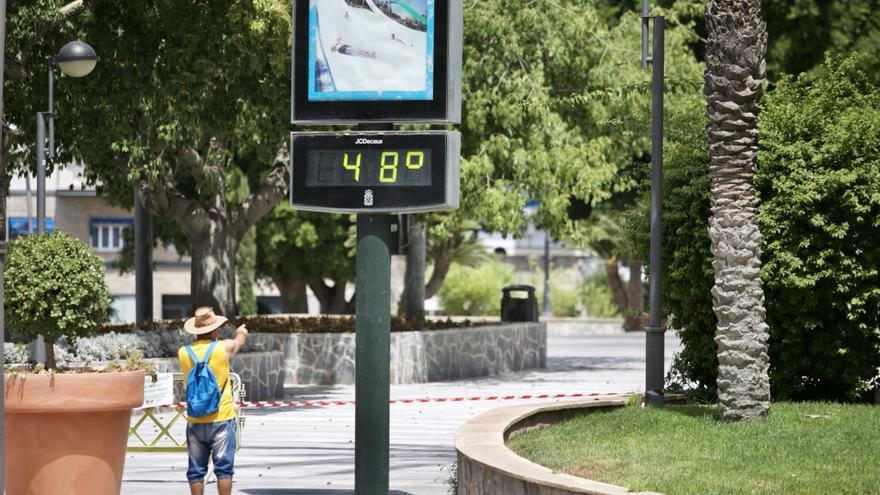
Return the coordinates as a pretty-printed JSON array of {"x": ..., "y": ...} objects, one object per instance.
[{"x": 310, "y": 451}]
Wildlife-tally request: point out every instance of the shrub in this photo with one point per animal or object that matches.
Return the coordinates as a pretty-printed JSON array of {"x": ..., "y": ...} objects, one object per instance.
[
  {"x": 15, "y": 353},
  {"x": 564, "y": 300},
  {"x": 819, "y": 186},
  {"x": 595, "y": 291},
  {"x": 475, "y": 291},
  {"x": 818, "y": 182},
  {"x": 55, "y": 288},
  {"x": 170, "y": 331}
]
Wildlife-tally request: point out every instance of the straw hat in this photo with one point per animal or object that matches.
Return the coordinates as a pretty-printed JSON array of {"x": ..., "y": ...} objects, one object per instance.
[{"x": 205, "y": 321}]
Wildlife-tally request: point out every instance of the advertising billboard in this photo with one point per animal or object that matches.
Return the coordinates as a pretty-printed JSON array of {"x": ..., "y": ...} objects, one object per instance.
[{"x": 376, "y": 61}]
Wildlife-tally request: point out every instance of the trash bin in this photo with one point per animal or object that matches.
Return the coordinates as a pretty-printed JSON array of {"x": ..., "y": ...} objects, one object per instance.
[{"x": 518, "y": 303}]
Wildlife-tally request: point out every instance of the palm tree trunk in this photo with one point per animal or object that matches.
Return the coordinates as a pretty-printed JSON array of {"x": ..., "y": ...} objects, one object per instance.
[{"x": 737, "y": 42}]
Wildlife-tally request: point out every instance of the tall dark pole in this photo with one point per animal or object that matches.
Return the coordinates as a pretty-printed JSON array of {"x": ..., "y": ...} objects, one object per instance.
[
  {"x": 143, "y": 261},
  {"x": 41, "y": 173},
  {"x": 372, "y": 350},
  {"x": 2, "y": 248},
  {"x": 372, "y": 355},
  {"x": 45, "y": 149},
  {"x": 654, "y": 333},
  {"x": 414, "y": 276}
]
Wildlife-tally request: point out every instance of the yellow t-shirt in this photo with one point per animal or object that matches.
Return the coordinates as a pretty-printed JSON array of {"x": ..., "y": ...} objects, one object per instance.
[{"x": 219, "y": 365}]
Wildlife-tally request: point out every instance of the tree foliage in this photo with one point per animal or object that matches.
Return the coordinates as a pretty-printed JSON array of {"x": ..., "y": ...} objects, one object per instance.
[
  {"x": 183, "y": 91},
  {"x": 800, "y": 31},
  {"x": 817, "y": 180},
  {"x": 54, "y": 287},
  {"x": 819, "y": 183},
  {"x": 555, "y": 107},
  {"x": 306, "y": 247}
]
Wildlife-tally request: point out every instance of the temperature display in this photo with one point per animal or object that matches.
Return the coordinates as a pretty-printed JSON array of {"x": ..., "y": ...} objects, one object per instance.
[
  {"x": 374, "y": 171},
  {"x": 368, "y": 167}
]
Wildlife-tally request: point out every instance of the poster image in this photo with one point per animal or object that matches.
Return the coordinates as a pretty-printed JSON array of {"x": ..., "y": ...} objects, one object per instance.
[{"x": 370, "y": 50}]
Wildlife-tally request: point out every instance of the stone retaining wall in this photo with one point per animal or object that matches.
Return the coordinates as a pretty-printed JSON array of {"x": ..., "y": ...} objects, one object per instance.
[
  {"x": 416, "y": 357},
  {"x": 271, "y": 360}
]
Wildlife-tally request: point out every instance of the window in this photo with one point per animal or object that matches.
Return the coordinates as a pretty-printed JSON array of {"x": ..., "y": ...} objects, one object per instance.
[
  {"x": 176, "y": 307},
  {"x": 107, "y": 234},
  {"x": 123, "y": 309},
  {"x": 19, "y": 226}
]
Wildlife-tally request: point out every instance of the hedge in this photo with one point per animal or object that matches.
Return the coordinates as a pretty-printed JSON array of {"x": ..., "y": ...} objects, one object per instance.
[{"x": 818, "y": 182}]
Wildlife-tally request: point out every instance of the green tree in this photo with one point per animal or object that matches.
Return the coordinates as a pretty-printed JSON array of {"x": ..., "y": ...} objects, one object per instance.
[
  {"x": 550, "y": 112},
  {"x": 34, "y": 29},
  {"x": 555, "y": 109},
  {"x": 54, "y": 288},
  {"x": 183, "y": 90},
  {"x": 817, "y": 183},
  {"x": 800, "y": 32},
  {"x": 300, "y": 249}
]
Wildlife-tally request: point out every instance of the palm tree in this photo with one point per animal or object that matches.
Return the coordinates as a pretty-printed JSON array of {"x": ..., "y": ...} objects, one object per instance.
[{"x": 737, "y": 42}]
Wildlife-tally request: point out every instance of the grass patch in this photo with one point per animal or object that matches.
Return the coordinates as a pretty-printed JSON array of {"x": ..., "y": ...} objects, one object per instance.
[{"x": 802, "y": 448}]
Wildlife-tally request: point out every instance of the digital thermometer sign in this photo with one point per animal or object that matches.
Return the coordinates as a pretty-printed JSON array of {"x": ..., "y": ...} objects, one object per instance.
[
  {"x": 373, "y": 168},
  {"x": 375, "y": 172}
]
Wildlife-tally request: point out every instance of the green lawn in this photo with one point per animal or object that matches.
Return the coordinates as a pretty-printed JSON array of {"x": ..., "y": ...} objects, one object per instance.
[{"x": 812, "y": 448}]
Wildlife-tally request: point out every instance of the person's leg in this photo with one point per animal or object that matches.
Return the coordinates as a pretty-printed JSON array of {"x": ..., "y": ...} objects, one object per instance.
[
  {"x": 223, "y": 451},
  {"x": 198, "y": 438},
  {"x": 224, "y": 486}
]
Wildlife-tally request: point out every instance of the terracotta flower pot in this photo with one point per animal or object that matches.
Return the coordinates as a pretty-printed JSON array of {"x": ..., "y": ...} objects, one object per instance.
[{"x": 66, "y": 434}]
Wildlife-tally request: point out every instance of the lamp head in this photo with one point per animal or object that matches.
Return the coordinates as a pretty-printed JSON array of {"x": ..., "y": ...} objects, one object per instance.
[{"x": 76, "y": 59}]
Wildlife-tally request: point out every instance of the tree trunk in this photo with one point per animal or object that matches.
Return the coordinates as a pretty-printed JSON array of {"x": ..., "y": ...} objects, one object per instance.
[
  {"x": 737, "y": 42},
  {"x": 441, "y": 269},
  {"x": 414, "y": 278},
  {"x": 332, "y": 299},
  {"x": 213, "y": 270},
  {"x": 338, "y": 304},
  {"x": 635, "y": 298},
  {"x": 617, "y": 291},
  {"x": 293, "y": 295},
  {"x": 50, "y": 355}
]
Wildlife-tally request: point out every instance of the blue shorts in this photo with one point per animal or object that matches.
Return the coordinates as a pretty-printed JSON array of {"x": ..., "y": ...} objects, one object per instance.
[{"x": 210, "y": 440}]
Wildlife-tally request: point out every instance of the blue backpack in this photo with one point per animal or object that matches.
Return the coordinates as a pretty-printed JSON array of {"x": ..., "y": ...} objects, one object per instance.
[{"x": 202, "y": 390}]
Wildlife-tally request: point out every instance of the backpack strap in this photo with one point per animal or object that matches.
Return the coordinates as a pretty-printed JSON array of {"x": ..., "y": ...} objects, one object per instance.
[
  {"x": 209, "y": 352},
  {"x": 192, "y": 355}
]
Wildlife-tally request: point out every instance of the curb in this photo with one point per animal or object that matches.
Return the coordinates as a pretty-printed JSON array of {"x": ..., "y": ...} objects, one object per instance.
[{"x": 486, "y": 465}]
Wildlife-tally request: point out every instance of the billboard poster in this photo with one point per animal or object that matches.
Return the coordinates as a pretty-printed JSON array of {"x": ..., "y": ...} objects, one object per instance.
[{"x": 371, "y": 50}]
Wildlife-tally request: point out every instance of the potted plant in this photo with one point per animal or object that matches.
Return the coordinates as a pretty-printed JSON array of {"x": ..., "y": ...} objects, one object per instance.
[{"x": 66, "y": 429}]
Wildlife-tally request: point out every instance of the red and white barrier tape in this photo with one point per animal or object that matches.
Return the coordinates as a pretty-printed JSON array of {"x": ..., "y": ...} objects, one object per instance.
[{"x": 324, "y": 403}]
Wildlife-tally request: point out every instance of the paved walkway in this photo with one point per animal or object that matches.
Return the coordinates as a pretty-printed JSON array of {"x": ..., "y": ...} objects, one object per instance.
[{"x": 310, "y": 451}]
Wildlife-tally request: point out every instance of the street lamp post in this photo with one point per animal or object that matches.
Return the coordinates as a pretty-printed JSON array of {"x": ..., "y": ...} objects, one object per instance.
[
  {"x": 654, "y": 332},
  {"x": 75, "y": 59}
]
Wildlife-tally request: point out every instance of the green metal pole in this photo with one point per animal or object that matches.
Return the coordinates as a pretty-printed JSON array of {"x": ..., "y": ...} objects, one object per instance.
[{"x": 372, "y": 355}]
